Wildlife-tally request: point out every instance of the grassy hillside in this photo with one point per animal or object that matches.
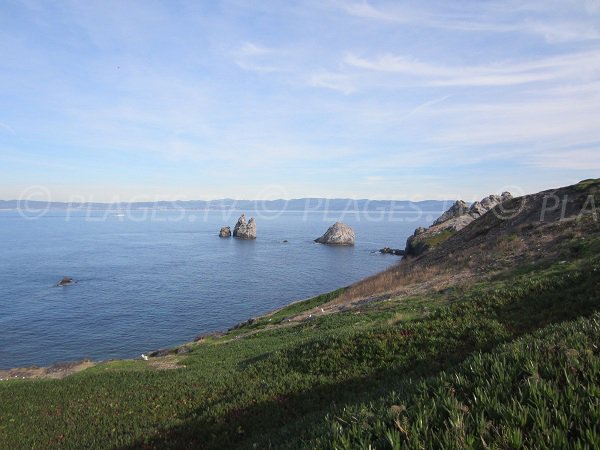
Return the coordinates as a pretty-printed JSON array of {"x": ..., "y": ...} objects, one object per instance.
[{"x": 492, "y": 340}]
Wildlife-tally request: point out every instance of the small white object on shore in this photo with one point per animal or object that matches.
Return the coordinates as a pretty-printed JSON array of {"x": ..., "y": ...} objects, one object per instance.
[{"x": 144, "y": 357}]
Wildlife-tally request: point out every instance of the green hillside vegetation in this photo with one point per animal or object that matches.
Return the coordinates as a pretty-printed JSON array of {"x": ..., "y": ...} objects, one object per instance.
[{"x": 490, "y": 340}]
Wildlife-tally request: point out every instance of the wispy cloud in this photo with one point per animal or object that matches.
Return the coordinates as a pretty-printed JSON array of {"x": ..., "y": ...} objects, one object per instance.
[
  {"x": 503, "y": 73},
  {"x": 556, "y": 24},
  {"x": 564, "y": 159},
  {"x": 6, "y": 127},
  {"x": 252, "y": 49},
  {"x": 258, "y": 58},
  {"x": 340, "y": 82}
]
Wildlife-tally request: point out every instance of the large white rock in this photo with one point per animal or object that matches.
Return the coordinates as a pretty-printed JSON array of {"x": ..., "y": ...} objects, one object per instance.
[{"x": 337, "y": 234}]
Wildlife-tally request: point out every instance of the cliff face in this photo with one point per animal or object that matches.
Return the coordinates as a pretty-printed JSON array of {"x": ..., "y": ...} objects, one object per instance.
[{"x": 457, "y": 217}]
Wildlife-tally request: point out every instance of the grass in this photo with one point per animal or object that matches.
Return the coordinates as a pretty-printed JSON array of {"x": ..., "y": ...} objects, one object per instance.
[
  {"x": 291, "y": 310},
  {"x": 539, "y": 391},
  {"x": 585, "y": 185},
  {"x": 438, "y": 238}
]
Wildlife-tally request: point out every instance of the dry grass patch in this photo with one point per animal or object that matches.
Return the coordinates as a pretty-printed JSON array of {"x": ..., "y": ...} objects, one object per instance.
[{"x": 403, "y": 278}]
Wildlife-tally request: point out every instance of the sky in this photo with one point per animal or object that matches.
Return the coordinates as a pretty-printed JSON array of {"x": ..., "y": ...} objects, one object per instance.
[{"x": 156, "y": 100}]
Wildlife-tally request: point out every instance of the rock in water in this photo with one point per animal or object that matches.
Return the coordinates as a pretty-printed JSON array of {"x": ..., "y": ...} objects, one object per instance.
[
  {"x": 391, "y": 251},
  {"x": 225, "y": 232},
  {"x": 337, "y": 234},
  {"x": 245, "y": 230},
  {"x": 66, "y": 281}
]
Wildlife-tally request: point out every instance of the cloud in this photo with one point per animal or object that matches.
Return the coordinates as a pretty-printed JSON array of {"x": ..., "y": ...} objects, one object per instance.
[
  {"x": 579, "y": 159},
  {"x": 335, "y": 81},
  {"x": 553, "y": 20},
  {"x": 252, "y": 49},
  {"x": 257, "y": 58},
  {"x": 503, "y": 73},
  {"x": 6, "y": 127}
]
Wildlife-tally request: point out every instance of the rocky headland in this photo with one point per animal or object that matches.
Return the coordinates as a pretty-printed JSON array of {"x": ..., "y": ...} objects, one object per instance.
[{"x": 457, "y": 217}]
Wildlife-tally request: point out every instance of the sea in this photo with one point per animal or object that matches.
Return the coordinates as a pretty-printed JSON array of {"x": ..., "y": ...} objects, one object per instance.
[{"x": 151, "y": 279}]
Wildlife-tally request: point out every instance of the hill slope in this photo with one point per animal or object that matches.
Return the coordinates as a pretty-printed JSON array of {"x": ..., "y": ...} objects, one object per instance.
[{"x": 489, "y": 339}]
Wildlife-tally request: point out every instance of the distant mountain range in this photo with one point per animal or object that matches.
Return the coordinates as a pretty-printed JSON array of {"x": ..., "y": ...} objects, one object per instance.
[{"x": 299, "y": 204}]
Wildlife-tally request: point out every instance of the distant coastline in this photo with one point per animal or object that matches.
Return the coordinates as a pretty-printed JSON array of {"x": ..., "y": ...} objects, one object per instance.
[{"x": 292, "y": 205}]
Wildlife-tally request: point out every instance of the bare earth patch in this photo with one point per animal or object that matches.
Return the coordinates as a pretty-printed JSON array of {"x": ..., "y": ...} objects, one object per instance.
[
  {"x": 56, "y": 371},
  {"x": 166, "y": 363}
]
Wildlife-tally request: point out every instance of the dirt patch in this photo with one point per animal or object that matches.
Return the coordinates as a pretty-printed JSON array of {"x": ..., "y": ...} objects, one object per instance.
[
  {"x": 166, "y": 363},
  {"x": 56, "y": 371}
]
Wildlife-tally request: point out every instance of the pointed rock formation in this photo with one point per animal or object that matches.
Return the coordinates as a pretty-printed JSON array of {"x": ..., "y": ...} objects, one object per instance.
[
  {"x": 245, "y": 230},
  {"x": 478, "y": 209},
  {"x": 458, "y": 209},
  {"x": 225, "y": 232},
  {"x": 337, "y": 234}
]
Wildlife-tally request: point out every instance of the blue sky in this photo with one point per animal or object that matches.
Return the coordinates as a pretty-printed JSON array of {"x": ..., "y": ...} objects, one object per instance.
[{"x": 140, "y": 100}]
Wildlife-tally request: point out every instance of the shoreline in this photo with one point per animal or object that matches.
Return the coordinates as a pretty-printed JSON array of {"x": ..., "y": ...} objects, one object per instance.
[{"x": 62, "y": 369}]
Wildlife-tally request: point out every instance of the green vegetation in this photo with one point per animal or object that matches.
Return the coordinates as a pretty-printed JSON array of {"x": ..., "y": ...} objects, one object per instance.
[
  {"x": 587, "y": 184},
  {"x": 438, "y": 238},
  {"x": 539, "y": 391},
  {"x": 507, "y": 359},
  {"x": 288, "y": 311},
  {"x": 422, "y": 243}
]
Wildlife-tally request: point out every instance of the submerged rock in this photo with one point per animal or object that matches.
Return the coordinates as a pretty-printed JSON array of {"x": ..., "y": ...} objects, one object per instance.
[
  {"x": 225, "y": 232},
  {"x": 337, "y": 234},
  {"x": 66, "y": 281},
  {"x": 392, "y": 251},
  {"x": 245, "y": 230}
]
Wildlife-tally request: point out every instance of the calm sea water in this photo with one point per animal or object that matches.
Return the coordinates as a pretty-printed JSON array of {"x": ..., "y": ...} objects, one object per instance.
[{"x": 149, "y": 279}]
